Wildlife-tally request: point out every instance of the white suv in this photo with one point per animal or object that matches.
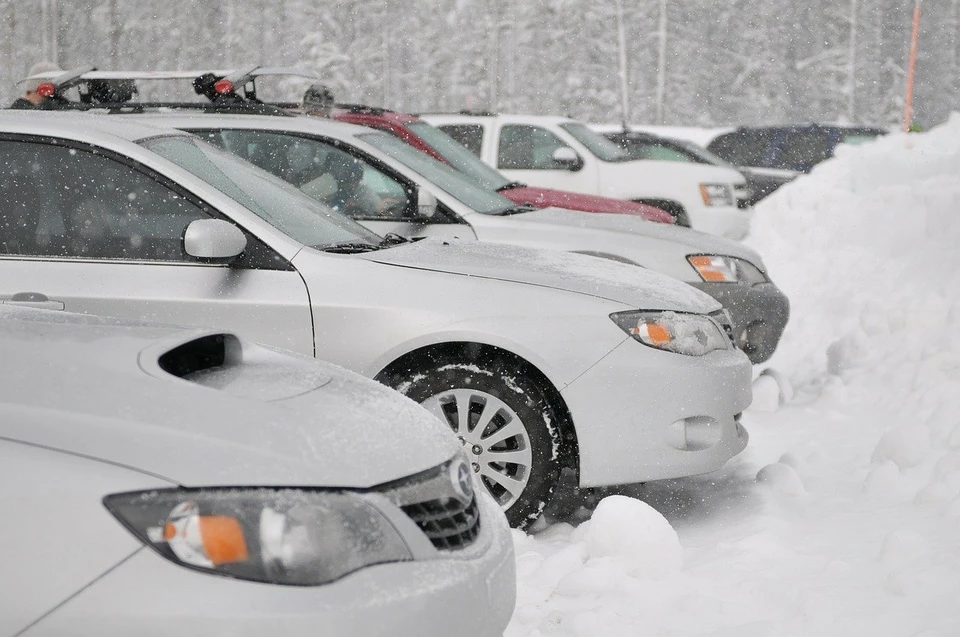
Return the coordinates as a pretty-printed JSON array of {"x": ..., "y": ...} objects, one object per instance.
[{"x": 557, "y": 152}]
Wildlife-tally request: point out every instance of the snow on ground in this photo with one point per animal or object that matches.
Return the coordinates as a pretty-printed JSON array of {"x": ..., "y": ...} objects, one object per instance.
[{"x": 842, "y": 517}]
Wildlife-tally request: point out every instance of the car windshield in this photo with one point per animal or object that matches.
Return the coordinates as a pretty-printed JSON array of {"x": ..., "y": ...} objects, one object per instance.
[
  {"x": 458, "y": 156},
  {"x": 603, "y": 148},
  {"x": 452, "y": 182},
  {"x": 702, "y": 154},
  {"x": 276, "y": 202}
]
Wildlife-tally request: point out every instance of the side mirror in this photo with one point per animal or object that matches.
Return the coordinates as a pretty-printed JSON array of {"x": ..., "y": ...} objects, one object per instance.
[
  {"x": 426, "y": 204},
  {"x": 567, "y": 158},
  {"x": 213, "y": 240}
]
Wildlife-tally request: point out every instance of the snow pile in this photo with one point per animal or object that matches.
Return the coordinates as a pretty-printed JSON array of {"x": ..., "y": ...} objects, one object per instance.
[{"x": 842, "y": 516}]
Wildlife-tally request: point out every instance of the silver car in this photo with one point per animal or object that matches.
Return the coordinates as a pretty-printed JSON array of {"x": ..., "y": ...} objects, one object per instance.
[
  {"x": 154, "y": 479},
  {"x": 538, "y": 360}
]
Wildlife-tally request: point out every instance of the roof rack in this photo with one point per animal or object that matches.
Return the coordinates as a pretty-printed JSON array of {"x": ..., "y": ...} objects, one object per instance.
[
  {"x": 221, "y": 108},
  {"x": 115, "y": 89},
  {"x": 363, "y": 109}
]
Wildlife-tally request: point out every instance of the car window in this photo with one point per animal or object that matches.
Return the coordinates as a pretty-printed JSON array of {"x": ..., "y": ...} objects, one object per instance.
[
  {"x": 469, "y": 136},
  {"x": 278, "y": 203},
  {"x": 524, "y": 147},
  {"x": 743, "y": 148},
  {"x": 453, "y": 182},
  {"x": 801, "y": 150},
  {"x": 600, "y": 146},
  {"x": 68, "y": 202},
  {"x": 458, "y": 156},
  {"x": 656, "y": 152},
  {"x": 326, "y": 173}
]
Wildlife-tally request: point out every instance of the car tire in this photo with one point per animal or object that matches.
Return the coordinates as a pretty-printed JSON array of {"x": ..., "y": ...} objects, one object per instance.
[{"x": 518, "y": 421}]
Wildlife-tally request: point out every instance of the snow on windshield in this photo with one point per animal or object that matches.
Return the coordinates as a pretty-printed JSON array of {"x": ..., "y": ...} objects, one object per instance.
[{"x": 841, "y": 516}]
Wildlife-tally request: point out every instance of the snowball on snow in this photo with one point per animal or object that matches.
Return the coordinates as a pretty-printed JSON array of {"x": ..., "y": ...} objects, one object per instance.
[
  {"x": 766, "y": 395},
  {"x": 782, "y": 478},
  {"x": 636, "y": 535},
  {"x": 906, "y": 445}
]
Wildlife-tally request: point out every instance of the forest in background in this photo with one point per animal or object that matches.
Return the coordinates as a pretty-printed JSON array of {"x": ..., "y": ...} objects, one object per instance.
[{"x": 689, "y": 62}]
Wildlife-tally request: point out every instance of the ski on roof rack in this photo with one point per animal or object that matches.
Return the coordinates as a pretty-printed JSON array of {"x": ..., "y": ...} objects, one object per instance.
[{"x": 229, "y": 90}]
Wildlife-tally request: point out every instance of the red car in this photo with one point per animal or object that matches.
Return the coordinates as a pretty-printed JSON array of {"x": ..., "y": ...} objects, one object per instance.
[{"x": 441, "y": 146}]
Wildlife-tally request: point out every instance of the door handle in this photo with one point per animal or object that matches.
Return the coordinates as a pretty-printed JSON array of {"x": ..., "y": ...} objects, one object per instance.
[{"x": 34, "y": 300}]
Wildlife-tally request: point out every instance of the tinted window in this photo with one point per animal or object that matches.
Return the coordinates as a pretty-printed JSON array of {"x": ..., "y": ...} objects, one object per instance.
[
  {"x": 68, "y": 202},
  {"x": 273, "y": 200},
  {"x": 326, "y": 173},
  {"x": 525, "y": 147},
  {"x": 458, "y": 156},
  {"x": 603, "y": 148},
  {"x": 801, "y": 150},
  {"x": 743, "y": 148},
  {"x": 468, "y": 135}
]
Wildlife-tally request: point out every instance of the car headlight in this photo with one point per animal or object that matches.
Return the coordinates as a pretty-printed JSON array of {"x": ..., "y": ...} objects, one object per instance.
[
  {"x": 717, "y": 269},
  {"x": 279, "y": 536},
  {"x": 689, "y": 334},
  {"x": 716, "y": 194}
]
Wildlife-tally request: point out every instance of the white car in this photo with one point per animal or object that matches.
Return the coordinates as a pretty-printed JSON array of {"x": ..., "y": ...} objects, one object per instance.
[
  {"x": 537, "y": 359},
  {"x": 311, "y": 153},
  {"x": 170, "y": 481},
  {"x": 558, "y": 152}
]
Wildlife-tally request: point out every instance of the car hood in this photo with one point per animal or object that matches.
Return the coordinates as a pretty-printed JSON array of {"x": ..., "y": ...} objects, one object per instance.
[
  {"x": 97, "y": 388},
  {"x": 546, "y": 197},
  {"x": 603, "y": 278}
]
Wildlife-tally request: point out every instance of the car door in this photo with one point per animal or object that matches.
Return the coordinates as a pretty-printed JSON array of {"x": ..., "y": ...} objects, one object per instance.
[
  {"x": 86, "y": 230},
  {"x": 526, "y": 153},
  {"x": 336, "y": 175}
]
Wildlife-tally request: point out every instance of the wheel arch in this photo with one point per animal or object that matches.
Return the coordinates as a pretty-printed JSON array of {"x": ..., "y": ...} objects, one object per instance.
[{"x": 472, "y": 351}]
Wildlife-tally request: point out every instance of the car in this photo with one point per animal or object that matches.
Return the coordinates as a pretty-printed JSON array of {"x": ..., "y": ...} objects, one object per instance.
[
  {"x": 299, "y": 149},
  {"x": 159, "y": 480},
  {"x": 643, "y": 145},
  {"x": 558, "y": 152},
  {"x": 775, "y": 155},
  {"x": 538, "y": 360},
  {"x": 440, "y": 146}
]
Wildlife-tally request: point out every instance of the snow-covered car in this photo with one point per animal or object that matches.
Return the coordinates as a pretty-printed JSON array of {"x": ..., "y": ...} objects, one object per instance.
[
  {"x": 154, "y": 479},
  {"x": 313, "y": 154},
  {"x": 537, "y": 359},
  {"x": 558, "y": 152}
]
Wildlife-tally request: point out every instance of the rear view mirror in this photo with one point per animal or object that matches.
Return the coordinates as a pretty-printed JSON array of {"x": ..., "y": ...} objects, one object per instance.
[
  {"x": 567, "y": 158},
  {"x": 426, "y": 204},
  {"x": 213, "y": 240}
]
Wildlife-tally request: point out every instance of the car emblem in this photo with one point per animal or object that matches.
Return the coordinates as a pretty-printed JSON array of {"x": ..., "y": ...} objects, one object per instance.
[{"x": 462, "y": 481}]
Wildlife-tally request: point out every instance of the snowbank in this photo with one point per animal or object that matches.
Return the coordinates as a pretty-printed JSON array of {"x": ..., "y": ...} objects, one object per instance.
[{"x": 842, "y": 516}]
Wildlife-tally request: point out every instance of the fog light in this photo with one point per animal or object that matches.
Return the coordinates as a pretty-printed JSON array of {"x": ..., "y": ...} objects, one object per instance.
[{"x": 693, "y": 434}]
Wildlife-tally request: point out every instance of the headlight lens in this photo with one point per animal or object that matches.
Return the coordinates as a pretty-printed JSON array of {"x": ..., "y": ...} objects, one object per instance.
[
  {"x": 717, "y": 269},
  {"x": 716, "y": 194},
  {"x": 689, "y": 334},
  {"x": 285, "y": 536}
]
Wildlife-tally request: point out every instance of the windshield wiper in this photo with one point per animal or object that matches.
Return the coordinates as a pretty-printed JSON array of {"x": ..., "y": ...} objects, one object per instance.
[
  {"x": 514, "y": 210},
  {"x": 511, "y": 185},
  {"x": 393, "y": 239},
  {"x": 350, "y": 247}
]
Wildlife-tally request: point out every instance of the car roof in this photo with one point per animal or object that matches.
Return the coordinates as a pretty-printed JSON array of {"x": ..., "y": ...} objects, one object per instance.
[
  {"x": 300, "y": 123},
  {"x": 83, "y": 127}
]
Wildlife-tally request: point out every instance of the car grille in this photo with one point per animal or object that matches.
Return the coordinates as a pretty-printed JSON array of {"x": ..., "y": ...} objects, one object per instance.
[
  {"x": 450, "y": 524},
  {"x": 723, "y": 318},
  {"x": 431, "y": 501}
]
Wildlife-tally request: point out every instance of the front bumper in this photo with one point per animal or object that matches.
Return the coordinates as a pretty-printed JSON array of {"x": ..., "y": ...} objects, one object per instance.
[
  {"x": 759, "y": 312},
  {"x": 471, "y": 594},
  {"x": 731, "y": 222},
  {"x": 645, "y": 414}
]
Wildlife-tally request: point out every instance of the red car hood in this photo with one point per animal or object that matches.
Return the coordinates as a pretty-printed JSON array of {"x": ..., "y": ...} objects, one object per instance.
[{"x": 546, "y": 198}]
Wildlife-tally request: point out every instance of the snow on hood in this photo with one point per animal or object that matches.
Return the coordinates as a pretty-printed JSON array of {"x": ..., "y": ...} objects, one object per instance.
[
  {"x": 80, "y": 384},
  {"x": 631, "y": 229},
  {"x": 628, "y": 284}
]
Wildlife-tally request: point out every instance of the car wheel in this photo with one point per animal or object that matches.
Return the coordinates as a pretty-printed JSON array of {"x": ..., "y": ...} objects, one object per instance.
[{"x": 505, "y": 423}]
